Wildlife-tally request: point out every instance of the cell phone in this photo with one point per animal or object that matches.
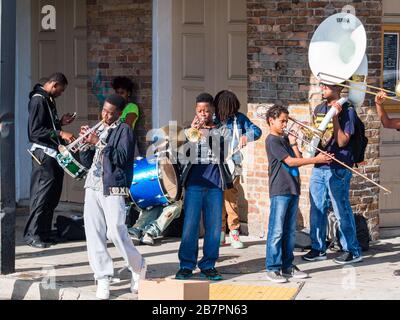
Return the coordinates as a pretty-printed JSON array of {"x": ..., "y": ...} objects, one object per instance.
[{"x": 74, "y": 115}]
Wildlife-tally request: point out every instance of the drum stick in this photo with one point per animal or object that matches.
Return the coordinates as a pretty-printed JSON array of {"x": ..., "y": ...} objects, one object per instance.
[{"x": 33, "y": 156}]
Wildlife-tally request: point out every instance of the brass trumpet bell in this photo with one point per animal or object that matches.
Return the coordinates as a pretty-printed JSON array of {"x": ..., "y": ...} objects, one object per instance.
[{"x": 194, "y": 135}]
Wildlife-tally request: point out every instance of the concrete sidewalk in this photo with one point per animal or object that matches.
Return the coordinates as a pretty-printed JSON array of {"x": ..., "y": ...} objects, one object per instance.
[{"x": 62, "y": 271}]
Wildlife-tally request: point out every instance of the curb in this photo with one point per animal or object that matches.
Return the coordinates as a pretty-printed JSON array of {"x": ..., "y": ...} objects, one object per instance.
[{"x": 16, "y": 289}]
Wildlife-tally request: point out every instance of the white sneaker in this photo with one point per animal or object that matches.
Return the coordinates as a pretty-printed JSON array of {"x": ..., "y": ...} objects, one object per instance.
[
  {"x": 136, "y": 276},
  {"x": 235, "y": 240},
  {"x": 103, "y": 289},
  {"x": 148, "y": 239}
]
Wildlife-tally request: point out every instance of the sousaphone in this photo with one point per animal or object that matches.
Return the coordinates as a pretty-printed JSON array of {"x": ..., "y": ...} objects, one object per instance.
[{"x": 337, "y": 53}]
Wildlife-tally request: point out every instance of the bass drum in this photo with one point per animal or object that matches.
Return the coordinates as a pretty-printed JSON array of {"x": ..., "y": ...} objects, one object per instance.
[{"x": 155, "y": 181}]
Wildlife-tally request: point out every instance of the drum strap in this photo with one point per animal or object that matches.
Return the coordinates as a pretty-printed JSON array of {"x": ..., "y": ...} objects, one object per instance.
[{"x": 51, "y": 114}]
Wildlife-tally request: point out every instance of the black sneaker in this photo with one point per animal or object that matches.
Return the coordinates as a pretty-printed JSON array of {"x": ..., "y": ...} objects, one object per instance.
[
  {"x": 38, "y": 244},
  {"x": 314, "y": 255},
  {"x": 347, "y": 258},
  {"x": 211, "y": 274},
  {"x": 184, "y": 274}
]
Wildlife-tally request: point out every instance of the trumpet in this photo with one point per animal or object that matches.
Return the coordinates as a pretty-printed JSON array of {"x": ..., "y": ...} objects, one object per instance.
[
  {"x": 194, "y": 134},
  {"x": 78, "y": 144},
  {"x": 361, "y": 86}
]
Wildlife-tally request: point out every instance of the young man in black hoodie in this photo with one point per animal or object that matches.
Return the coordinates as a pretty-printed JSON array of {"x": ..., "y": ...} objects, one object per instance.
[{"x": 45, "y": 133}]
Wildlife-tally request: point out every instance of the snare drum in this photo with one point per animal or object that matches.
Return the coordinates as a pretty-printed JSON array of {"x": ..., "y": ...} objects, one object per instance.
[
  {"x": 155, "y": 182},
  {"x": 70, "y": 165}
]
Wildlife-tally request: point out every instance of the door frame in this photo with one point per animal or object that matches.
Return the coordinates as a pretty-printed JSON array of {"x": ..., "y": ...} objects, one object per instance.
[{"x": 162, "y": 85}]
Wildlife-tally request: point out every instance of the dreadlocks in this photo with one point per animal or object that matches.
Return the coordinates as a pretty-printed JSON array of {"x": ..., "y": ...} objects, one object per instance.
[{"x": 226, "y": 104}]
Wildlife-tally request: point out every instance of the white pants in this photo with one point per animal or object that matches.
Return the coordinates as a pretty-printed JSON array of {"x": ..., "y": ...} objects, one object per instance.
[{"x": 104, "y": 218}]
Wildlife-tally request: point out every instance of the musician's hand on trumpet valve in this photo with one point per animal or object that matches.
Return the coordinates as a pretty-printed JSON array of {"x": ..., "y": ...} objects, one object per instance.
[
  {"x": 197, "y": 123},
  {"x": 92, "y": 138}
]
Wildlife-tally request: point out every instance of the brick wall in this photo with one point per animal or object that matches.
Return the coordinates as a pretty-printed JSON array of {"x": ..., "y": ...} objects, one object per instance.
[
  {"x": 278, "y": 39},
  {"x": 120, "y": 44}
]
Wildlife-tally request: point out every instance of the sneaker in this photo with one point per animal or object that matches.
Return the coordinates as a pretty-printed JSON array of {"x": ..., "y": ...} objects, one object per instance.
[
  {"x": 314, "y": 255},
  {"x": 275, "y": 276},
  {"x": 184, "y": 274},
  {"x": 211, "y": 274},
  {"x": 396, "y": 273},
  {"x": 103, "y": 289},
  {"x": 347, "y": 258},
  {"x": 135, "y": 235},
  {"x": 235, "y": 240},
  {"x": 148, "y": 239},
  {"x": 294, "y": 272},
  {"x": 222, "y": 238},
  {"x": 137, "y": 276}
]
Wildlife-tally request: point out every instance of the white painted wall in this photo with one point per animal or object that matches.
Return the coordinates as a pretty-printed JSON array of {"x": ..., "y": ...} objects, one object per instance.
[
  {"x": 23, "y": 86},
  {"x": 162, "y": 62}
]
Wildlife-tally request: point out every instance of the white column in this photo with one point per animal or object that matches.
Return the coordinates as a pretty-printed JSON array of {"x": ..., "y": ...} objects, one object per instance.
[{"x": 162, "y": 62}]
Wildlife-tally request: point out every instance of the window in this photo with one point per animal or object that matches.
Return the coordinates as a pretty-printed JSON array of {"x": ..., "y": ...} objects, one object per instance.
[{"x": 390, "y": 62}]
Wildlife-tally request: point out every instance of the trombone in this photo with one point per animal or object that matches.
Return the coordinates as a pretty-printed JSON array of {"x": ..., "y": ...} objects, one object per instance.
[
  {"x": 261, "y": 114},
  {"x": 287, "y": 131},
  {"x": 359, "y": 84}
]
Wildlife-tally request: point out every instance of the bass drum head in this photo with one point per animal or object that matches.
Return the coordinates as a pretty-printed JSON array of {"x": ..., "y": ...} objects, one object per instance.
[{"x": 169, "y": 178}]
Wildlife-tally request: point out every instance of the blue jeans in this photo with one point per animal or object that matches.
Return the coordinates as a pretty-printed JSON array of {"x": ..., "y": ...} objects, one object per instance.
[
  {"x": 208, "y": 200},
  {"x": 333, "y": 184},
  {"x": 281, "y": 232}
]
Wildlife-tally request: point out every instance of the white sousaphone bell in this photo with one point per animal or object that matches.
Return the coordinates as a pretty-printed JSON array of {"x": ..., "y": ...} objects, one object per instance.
[{"x": 336, "y": 54}]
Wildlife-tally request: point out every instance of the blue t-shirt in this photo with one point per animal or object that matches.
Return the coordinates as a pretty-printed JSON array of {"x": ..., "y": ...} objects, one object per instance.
[
  {"x": 347, "y": 121},
  {"x": 204, "y": 175}
]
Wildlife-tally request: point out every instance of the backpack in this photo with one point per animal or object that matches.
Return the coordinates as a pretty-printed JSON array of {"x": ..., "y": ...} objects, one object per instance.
[
  {"x": 362, "y": 232},
  {"x": 359, "y": 141},
  {"x": 70, "y": 228}
]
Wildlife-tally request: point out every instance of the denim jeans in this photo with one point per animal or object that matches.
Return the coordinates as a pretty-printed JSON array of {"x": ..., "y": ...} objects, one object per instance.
[
  {"x": 208, "y": 200},
  {"x": 281, "y": 232},
  {"x": 156, "y": 220},
  {"x": 333, "y": 184}
]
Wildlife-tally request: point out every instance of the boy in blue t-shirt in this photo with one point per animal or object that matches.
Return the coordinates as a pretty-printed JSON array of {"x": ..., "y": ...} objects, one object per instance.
[
  {"x": 204, "y": 177},
  {"x": 284, "y": 158}
]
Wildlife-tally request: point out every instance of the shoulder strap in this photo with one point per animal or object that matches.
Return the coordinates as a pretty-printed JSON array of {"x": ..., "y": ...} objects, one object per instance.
[{"x": 51, "y": 114}]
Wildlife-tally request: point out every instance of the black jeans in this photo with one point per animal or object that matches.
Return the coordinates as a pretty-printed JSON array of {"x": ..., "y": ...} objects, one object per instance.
[{"x": 45, "y": 192}]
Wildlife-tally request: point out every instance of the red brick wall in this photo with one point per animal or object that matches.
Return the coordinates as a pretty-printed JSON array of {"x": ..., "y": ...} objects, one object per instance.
[
  {"x": 278, "y": 39},
  {"x": 120, "y": 44}
]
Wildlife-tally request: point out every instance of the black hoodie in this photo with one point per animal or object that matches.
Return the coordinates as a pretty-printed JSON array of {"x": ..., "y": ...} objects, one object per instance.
[{"x": 40, "y": 124}]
